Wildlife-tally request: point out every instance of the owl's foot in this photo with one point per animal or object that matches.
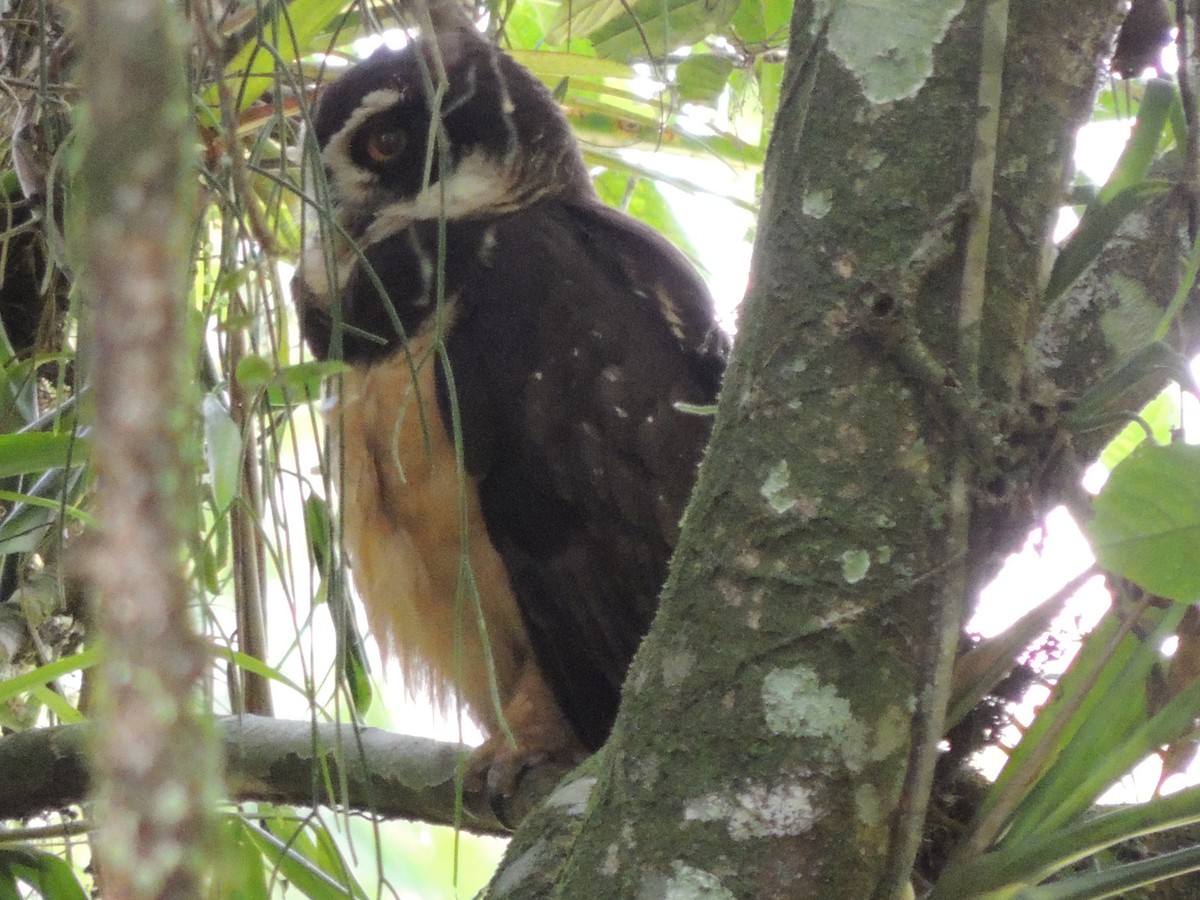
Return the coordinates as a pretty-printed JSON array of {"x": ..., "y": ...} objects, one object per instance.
[{"x": 515, "y": 774}]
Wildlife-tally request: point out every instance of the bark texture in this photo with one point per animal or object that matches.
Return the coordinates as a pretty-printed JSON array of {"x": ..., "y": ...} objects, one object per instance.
[
  {"x": 155, "y": 765},
  {"x": 779, "y": 723}
]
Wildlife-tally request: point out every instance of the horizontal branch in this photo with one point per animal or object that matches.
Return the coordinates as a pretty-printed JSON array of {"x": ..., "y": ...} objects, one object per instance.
[{"x": 293, "y": 762}]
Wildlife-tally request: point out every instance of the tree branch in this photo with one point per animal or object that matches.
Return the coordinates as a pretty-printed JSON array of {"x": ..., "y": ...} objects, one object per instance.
[{"x": 291, "y": 762}]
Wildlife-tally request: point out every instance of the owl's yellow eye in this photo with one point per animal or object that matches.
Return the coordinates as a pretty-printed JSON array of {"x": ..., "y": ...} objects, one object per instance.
[{"x": 385, "y": 144}]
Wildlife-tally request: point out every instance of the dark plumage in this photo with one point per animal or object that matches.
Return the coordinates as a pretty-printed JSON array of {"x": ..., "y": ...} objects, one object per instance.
[{"x": 571, "y": 331}]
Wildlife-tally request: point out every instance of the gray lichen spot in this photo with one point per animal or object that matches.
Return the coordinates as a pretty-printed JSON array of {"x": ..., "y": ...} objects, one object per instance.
[
  {"x": 817, "y": 204},
  {"x": 676, "y": 666},
  {"x": 866, "y": 804},
  {"x": 890, "y": 63},
  {"x": 775, "y": 488},
  {"x": 685, "y": 883},
  {"x": 573, "y": 796},
  {"x": 612, "y": 860},
  {"x": 892, "y": 733},
  {"x": 508, "y": 882},
  {"x": 855, "y": 565},
  {"x": 796, "y": 703},
  {"x": 884, "y": 554},
  {"x": 756, "y": 810}
]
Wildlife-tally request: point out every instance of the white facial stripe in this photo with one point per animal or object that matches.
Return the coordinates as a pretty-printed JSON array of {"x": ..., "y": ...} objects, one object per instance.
[
  {"x": 354, "y": 184},
  {"x": 476, "y": 185},
  {"x": 312, "y": 269}
]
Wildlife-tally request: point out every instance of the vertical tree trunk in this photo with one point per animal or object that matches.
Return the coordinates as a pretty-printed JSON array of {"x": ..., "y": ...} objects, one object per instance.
[
  {"x": 154, "y": 755},
  {"x": 780, "y": 722}
]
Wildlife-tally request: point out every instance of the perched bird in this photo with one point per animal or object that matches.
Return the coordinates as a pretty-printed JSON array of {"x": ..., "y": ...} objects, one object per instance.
[{"x": 487, "y": 303}]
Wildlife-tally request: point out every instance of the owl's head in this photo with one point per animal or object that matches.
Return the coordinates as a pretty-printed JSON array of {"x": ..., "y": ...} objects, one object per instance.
[{"x": 445, "y": 127}]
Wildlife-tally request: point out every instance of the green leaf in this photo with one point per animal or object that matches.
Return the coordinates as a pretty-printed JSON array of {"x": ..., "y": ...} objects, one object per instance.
[
  {"x": 294, "y": 864},
  {"x": 1140, "y": 150},
  {"x": 643, "y": 200},
  {"x": 654, "y": 28},
  {"x": 301, "y": 382},
  {"x": 1146, "y": 522},
  {"x": 241, "y": 874},
  {"x": 761, "y": 21},
  {"x": 44, "y": 674},
  {"x": 1161, "y": 414},
  {"x": 1126, "y": 189},
  {"x": 1100, "y": 222},
  {"x": 222, "y": 452},
  {"x": 254, "y": 372},
  {"x": 35, "y": 452},
  {"x": 49, "y": 875},
  {"x": 703, "y": 77},
  {"x": 253, "y": 69}
]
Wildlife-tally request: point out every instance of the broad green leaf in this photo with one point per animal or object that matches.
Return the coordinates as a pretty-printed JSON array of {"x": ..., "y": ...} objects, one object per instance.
[
  {"x": 654, "y": 28},
  {"x": 242, "y": 874},
  {"x": 24, "y": 454},
  {"x": 762, "y": 21},
  {"x": 222, "y": 452},
  {"x": 1146, "y": 522},
  {"x": 550, "y": 66},
  {"x": 301, "y": 382},
  {"x": 580, "y": 18},
  {"x": 703, "y": 77},
  {"x": 254, "y": 372}
]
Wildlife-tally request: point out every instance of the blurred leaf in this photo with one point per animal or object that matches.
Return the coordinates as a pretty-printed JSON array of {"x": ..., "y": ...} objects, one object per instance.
[
  {"x": 550, "y": 66},
  {"x": 254, "y": 372},
  {"x": 703, "y": 77},
  {"x": 293, "y": 860},
  {"x": 1142, "y": 146},
  {"x": 643, "y": 200},
  {"x": 654, "y": 28},
  {"x": 44, "y": 674},
  {"x": 241, "y": 874},
  {"x": 301, "y": 382},
  {"x": 1146, "y": 521},
  {"x": 1161, "y": 414},
  {"x": 35, "y": 452},
  {"x": 253, "y": 69},
  {"x": 257, "y": 666},
  {"x": 1126, "y": 189},
  {"x": 222, "y": 452},
  {"x": 760, "y": 21},
  {"x": 318, "y": 528},
  {"x": 49, "y": 875},
  {"x": 1099, "y": 223}
]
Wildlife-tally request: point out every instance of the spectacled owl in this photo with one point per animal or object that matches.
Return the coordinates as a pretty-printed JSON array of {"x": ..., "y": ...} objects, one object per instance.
[{"x": 514, "y": 455}]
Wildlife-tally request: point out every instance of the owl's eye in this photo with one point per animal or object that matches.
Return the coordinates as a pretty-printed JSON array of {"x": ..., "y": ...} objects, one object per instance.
[{"x": 385, "y": 144}]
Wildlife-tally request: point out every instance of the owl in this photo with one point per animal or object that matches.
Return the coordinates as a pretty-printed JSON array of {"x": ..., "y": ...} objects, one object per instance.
[{"x": 516, "y": 426}]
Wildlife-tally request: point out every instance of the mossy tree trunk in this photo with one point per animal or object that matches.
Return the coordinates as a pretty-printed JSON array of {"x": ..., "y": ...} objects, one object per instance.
[
  {"x": 875, "y": 453},
  {"x": 154, "y": 754}
]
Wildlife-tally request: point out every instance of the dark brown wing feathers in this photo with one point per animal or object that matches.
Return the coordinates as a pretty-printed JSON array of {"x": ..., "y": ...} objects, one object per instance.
[{"x": 567, "y": 372}]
